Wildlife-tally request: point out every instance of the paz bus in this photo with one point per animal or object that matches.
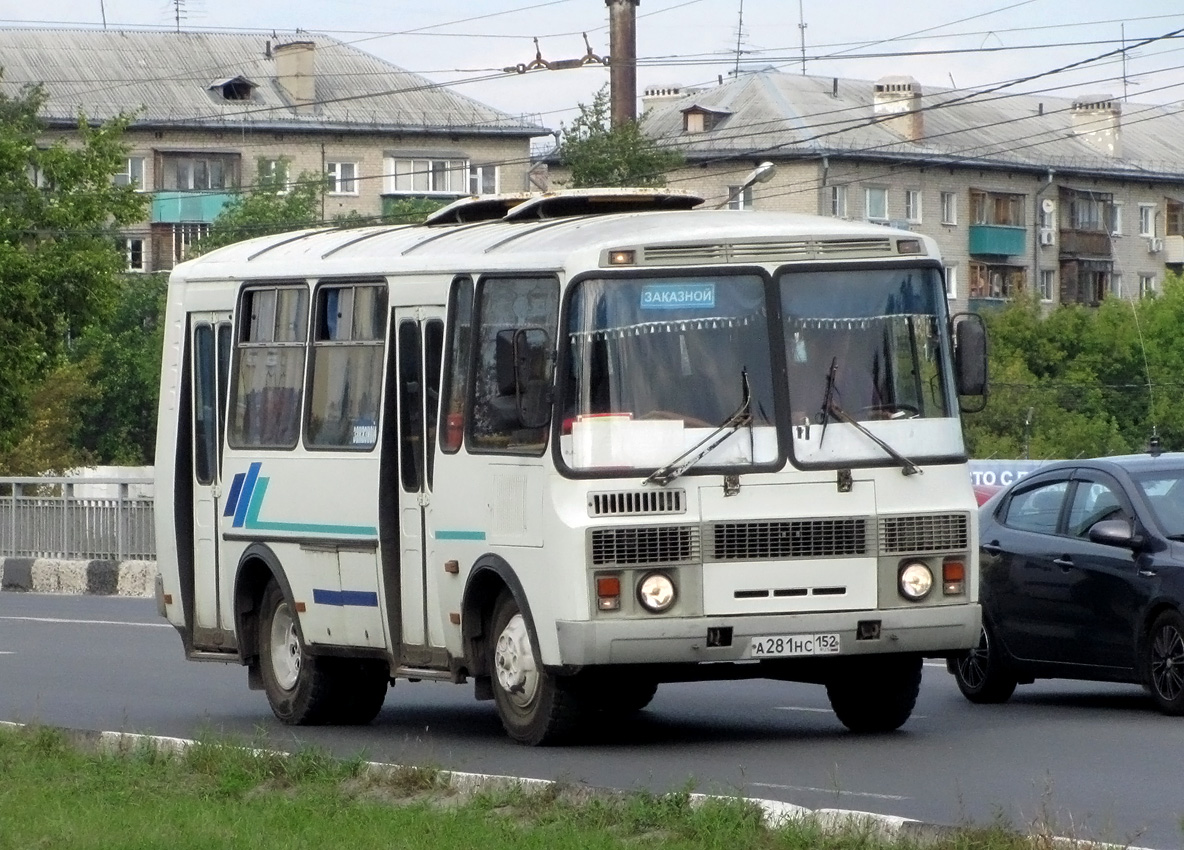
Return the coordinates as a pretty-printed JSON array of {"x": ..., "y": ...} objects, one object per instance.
[{"x": 569, "y": 447}]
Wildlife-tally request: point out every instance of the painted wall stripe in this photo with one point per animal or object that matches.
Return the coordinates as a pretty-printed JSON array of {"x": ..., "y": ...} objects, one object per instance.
[
  {"x": 460, "y": 535},
  {"x": 350, "y": 598}
]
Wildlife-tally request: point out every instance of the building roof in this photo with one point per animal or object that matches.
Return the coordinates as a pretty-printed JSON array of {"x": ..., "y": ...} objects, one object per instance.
[
  {"x": 790, "y": 115},
  {"x": 176, "y": 79}
]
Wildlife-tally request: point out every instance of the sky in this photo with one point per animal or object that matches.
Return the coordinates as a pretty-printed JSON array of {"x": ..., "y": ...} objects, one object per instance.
[{"x": 1026, "y": 44}]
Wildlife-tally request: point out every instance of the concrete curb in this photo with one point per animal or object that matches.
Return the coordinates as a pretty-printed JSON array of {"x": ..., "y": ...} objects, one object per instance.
[
  {"x": 99, "y": 577},
  {"x": 777, "y": 813}
]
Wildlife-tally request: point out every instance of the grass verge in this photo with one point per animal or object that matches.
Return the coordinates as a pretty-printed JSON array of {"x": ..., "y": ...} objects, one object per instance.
[{"x": 55, "y": 793}]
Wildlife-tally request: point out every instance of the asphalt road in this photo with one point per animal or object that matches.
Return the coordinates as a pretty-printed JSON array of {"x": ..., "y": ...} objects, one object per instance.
[{"x": 1090, "y": 760}]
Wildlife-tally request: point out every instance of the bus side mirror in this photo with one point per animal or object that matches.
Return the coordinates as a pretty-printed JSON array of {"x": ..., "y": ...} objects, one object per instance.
[
  {"x": 524, "y": 367},
  {"x": 970, "y": 359}
]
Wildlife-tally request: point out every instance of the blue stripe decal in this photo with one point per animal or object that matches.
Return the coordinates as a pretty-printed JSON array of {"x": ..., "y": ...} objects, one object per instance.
[
  {"x": 460, "y": 535},
  {"x": 240, "y": 511},
  {"x": 232, "y": 497},
  {"x": 349, "y": 598}
]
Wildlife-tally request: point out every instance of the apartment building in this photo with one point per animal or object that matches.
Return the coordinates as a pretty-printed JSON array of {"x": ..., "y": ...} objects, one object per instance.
[
  {"x": 218, "y": 113},
  {"x": 1073, "y": 199}
]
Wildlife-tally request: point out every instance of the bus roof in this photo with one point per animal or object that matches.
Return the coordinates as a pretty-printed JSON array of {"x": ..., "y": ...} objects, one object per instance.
[{"x": 658, "y": 237}]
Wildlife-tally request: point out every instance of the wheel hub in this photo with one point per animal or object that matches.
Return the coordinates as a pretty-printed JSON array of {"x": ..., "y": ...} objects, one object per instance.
[
  {"x": 286, "y": 652},
  {"x": 513, "y": 662}
]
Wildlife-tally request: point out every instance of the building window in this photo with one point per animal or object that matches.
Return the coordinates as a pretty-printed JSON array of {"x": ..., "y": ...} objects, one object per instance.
[
  {"x": 198, "y": 172},
  {"x": 1146, "y": 285},
  {"x": 1146, "y": 219},
  {"x": 912, "y": 205},
  {"x": 1048, "y": 282},
  {"x": 949, "y": 208},
  {"x": 996, "y": 281},
  {"x": 483, "y": 180},
  {"x": 998, "y": 208},
  {"x": 343, "y": 177},
  {"x": 876, "y": 204},
  {"x": 274, "y": 174},
  {"x": 1116, "y": 220},
  {"x": 951, "y": 282},
  {"x": 1085, "y": 281},
  {"x": 838, "y": 201},
  {"x": 1173, "y": 218},
  {"x": 701, "y": 120},
  {"x": 185, "y": 236},
  {"x": 1116, "y": 284},
  {"x": 428, "y": 176},
  {"x": 132, "y": 174},
  {"x": 739, "y": 198},
  {"x": 133, "y": 253}
]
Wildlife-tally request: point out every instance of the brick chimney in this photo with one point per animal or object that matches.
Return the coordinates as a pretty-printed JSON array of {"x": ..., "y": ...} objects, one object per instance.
[
  {"x": 295, "y": 69},
  {"x": 897, "y": 103},
  {"x": 1097, "y": 121}
]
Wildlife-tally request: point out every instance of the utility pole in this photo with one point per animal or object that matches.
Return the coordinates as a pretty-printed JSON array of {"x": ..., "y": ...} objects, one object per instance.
[{"x": 622, "y": 68}]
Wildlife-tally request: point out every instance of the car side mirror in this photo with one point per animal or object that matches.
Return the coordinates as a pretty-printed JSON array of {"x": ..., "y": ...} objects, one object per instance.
[{"x": 1115, "y": 532}]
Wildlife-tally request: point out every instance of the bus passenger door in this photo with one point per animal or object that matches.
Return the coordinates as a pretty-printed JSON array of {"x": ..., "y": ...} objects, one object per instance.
[
  {"x": 419, "y": 334},
  {"x": 209, "y": 346}
]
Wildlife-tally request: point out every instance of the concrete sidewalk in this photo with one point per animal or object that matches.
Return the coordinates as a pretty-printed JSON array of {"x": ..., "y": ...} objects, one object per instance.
[{"x": 102, "y": 578}]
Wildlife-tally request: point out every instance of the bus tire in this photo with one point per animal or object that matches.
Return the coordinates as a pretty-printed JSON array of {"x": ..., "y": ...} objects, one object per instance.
[
  {"x": 359, "y": 689},
  {"x": 535, "y": 707},
  {"x": 298, "y": 685},
  {"x": 875, "y": 693},
  {"x": 619, "y": 695}
]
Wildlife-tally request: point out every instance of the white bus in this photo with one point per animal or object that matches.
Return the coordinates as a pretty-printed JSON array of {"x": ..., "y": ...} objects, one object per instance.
[{"x": 569, "y": 447}]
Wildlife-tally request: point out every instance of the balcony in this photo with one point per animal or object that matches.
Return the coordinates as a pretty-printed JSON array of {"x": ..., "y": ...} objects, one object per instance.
[
  {"x": 184, "y": 207},
  {"x": 997, "y": 239},
  {"x": 1085, "y": 243},
  {"x": 1173, "y": 249}
]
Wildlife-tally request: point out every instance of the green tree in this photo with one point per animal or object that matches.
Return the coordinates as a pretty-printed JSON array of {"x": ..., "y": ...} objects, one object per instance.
[
  {"x": 599, "y": 154},
  {"x": 265, "y": 210},
  {"x": 59, "y": 268}
]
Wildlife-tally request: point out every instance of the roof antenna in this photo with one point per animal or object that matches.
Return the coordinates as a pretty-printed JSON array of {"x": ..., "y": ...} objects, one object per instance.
[{"x": 1153, "y": 444}]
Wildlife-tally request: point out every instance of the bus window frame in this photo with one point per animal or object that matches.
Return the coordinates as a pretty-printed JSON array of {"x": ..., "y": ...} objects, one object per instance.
[
  {"x": 448, "y": 374},
  {"x": 776, "y": 367}
]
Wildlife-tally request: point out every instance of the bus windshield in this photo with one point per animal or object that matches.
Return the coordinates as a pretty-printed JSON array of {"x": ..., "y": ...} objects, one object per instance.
[
  {"x": 868, "y": 346},
  {"x": 657, "y": 363}
]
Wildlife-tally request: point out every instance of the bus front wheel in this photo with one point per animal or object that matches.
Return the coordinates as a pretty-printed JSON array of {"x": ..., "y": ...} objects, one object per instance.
[
  {"x": 298, "y": 686},
  {"x": 875, "y": 693},
  {"x": 535, "y": 707}
]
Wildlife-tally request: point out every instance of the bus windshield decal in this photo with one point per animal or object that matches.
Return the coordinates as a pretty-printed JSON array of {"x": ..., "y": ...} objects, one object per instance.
[{"x": 678, "y": 296}]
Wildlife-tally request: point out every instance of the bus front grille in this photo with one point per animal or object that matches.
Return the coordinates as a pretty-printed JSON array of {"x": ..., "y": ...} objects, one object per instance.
[
  {"x": 647, "y": 544},
  {"x": 924, "y": 533},
  {"x": 637, "y": 503},
  {"x": 808, "y": 538}
]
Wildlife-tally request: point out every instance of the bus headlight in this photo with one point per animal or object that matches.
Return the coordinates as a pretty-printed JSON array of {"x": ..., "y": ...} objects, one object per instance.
[
  {"x": 916, "y": 580},
  {"x": 655, "y": 592}
]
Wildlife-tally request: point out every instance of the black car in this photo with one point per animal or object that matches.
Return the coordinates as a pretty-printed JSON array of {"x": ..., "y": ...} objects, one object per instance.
[{"x": 1082, "y": 577}]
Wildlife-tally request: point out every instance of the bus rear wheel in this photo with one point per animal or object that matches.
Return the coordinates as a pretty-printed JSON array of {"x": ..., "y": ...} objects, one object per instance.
[
  {"x": 875, "y": 693},
  {"x": 298, "y": 685},
  {"x": 535, "y": 707}
]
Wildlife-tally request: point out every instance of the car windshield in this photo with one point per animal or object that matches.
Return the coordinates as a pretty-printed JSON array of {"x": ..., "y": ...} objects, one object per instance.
[
  {"x": 1164, "y": 491},
  {"x": 656, "y": 364}
]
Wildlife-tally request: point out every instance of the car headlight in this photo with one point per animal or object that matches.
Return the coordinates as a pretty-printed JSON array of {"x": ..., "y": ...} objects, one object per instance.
[
  {"x": 655, "y": 592},
  {"x": 916, "y": 580}
]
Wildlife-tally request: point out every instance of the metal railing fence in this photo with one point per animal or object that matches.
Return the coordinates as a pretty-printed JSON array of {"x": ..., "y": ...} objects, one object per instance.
[{"x": 77, "y": 518}]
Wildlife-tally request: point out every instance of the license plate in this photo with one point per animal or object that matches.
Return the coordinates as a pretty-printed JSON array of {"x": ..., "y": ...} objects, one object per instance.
[{"x": 777, "y": 646}]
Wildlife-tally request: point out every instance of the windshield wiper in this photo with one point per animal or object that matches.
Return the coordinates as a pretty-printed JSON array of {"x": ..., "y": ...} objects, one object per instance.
[
  {"x": 663, "y": 475},
  {"x": 830, "y": 407}
]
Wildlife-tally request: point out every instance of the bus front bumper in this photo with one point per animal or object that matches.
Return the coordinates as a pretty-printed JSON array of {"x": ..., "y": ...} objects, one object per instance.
[{"x": 937, "y": 630}]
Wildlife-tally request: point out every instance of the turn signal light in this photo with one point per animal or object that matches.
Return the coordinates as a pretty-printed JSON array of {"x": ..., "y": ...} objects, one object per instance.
[
  {"x": 953, "y": 578},
  {"x": 608, "y": 592}
]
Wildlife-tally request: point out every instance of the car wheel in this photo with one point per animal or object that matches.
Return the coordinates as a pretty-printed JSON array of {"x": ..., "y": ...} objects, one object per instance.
[
  {"x": 298, "y": 685},
  {"x": 535, "y": 707},
  {"x": 875, "y": 693},
  {"x": 981, "y": 673},
  {"x": 1165, "y": 662}
]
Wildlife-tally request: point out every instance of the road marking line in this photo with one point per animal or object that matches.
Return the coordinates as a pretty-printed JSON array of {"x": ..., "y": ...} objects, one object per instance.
[
  {"x": 830, "y": 791},
  {"x": 88, "y": 622},
  {"x": 828, "y": 710},
  {"x": 2, "y": 652}
]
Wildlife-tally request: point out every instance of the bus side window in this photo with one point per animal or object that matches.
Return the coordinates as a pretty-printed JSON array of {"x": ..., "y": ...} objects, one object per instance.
[
  {"x": 458, "y": 355},
  {"x": 505, "y": 307},
  {"x": 273, "y": 327}
]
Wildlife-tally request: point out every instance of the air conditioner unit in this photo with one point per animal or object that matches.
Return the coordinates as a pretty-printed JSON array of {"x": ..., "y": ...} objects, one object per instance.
[
  {"x": 1048, "y": 237},
  {"x": 1154, "y": 244}
]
